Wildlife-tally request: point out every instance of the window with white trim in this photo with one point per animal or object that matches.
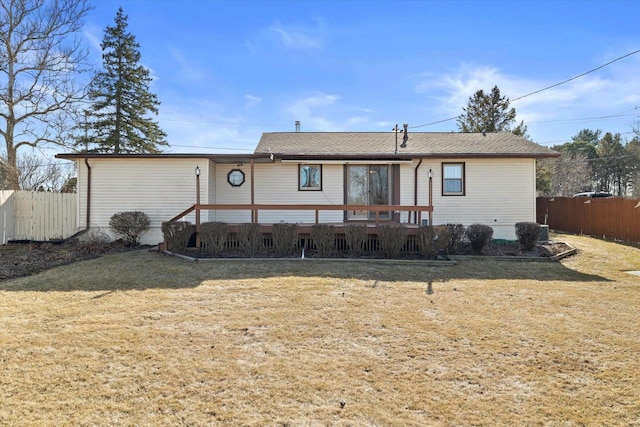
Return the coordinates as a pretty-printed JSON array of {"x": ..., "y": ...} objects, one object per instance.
[{"x": 453, "y": 183}]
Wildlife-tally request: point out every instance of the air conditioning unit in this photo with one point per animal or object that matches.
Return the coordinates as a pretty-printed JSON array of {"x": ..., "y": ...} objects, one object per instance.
[{"x": 544, "y": 234}]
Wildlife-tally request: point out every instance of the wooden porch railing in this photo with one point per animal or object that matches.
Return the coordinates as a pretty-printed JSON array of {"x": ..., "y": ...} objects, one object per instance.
[{"x": 255, "y": 208}]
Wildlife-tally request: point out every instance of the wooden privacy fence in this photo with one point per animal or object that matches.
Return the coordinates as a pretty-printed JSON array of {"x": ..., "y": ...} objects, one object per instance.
[
  {"x": 610, "y": 218},
  {"x": 39, "y": 216}
]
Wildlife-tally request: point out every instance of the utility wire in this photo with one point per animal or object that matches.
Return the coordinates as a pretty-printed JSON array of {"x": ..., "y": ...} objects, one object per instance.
[
  {"x": 576, "y": 77},
  {"x": 543, "y": 89}
]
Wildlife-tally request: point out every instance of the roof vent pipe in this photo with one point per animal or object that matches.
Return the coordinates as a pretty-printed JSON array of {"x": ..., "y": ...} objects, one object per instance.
[
  {"x": 406, "y": 136},
  {"x": 297, "y": 125}
]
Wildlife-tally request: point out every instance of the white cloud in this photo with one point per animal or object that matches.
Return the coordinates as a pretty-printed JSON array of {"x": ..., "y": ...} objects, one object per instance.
[
  {"x": 251, "y": 102},
  {"x": 296, "y": 39},
  {"x": 187, "y": 69},
  {"x": 203, "y": 127},
  {"x": 90, "y": 34},
  {"x": 552, "y": 114},
  {"x": 312, "y": 110}
]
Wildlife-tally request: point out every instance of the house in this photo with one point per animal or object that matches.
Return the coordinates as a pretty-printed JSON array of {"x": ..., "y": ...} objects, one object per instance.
[{"x": 325, "y": 177}]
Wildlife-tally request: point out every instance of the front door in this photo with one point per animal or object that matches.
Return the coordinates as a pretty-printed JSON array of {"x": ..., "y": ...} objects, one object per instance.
[{"x": 368, "y": 185}]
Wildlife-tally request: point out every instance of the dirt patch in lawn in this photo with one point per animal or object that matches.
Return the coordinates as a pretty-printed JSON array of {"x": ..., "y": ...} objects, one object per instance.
[
  {"x": 509, "y": 248},
  {"x": 24, "y": 259}
]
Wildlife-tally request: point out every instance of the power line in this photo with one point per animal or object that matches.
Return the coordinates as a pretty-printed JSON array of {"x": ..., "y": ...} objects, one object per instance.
[
  {"x": 576, "y": 77},
  {"x": 543, "y": 89},
  {"x": 613, "y": 116}
]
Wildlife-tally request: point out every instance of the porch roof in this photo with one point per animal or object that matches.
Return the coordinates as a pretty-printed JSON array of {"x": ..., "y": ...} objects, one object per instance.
[{"x": 217, "y": 158}]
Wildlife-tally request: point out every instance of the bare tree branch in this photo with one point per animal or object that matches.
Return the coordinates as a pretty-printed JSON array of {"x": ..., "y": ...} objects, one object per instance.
[{"x": 41, "y": 57}]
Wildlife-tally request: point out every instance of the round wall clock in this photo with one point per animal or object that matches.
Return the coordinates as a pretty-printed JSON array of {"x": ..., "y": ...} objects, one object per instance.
[{"x": 235, "y": 177}]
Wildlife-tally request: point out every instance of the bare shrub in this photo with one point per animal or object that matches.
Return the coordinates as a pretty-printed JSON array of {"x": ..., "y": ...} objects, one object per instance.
[
  {"x": 177, "y": 235},
  {"x": 324, "y": 237},
  {"x": 93, "y": 241},
  {"x": 214, "y": 236},
  {"x": 391, "y": 239},
  {"x": 249, "y": 239},
  {"x": 479, "y": 235},
  {"x": 285, "y": 238},
  {"x": 528, "y": 234},
  {"x": 456, "y": 233},
  {"x": 433, "y": 239},
  {"x": 130, "y": 226},
  {"x": 355, "y": 235}
]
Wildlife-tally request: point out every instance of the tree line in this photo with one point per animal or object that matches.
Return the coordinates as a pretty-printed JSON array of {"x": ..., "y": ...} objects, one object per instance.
[{"x": 593, "y": 161}]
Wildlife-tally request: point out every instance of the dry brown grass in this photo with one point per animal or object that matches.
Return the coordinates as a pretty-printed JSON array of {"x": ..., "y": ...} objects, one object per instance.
[{"x": 144, "y": 339}]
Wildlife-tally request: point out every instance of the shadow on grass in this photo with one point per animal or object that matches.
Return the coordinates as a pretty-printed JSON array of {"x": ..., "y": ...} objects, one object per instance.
[{"x": 140, "y": 270}]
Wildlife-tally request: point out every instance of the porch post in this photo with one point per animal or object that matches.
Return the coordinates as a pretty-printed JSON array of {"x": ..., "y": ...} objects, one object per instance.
[
  {"x": 197, "y": 171},
  {"x": 254, "y": 216}
]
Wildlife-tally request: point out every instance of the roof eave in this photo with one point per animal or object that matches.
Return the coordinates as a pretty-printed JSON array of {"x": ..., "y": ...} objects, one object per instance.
[
  {"x": 410, "y": 156},
  {"x": 214, "y": 157}
]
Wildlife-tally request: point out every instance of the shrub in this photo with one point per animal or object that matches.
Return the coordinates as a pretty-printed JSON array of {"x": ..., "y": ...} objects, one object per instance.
[
  {"x": 250, "y": 238},
  {"x": 479, "y": 235},
  {"x": 214, "y": 236},
  {"x": 391, "y": 239},
  {"x": 528, "y": 234},
  {"x": 456, "y": 233},
  {"x": 130, "y": 226},
  {"x": 355, "y": 235},
  {"x": 285, "y": 238},
  {"x": 324, "y": 237},
  {"x": 432, "y": 239},
  {"x": 93, "y": 241},
  {"x": 177, "y": 235}
]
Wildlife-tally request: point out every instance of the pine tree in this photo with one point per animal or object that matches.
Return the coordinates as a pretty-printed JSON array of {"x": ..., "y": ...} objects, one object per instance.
[
  {"x": 121, "y": 97},
  {"x": 489, "y": 112}
]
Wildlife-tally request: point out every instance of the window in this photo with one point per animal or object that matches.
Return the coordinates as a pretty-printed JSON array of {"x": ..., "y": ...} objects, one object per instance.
[
  {"x": 310, "y": 177},
  {"x": 453, "y": 179},
  {"x": 235, "y": 177}
]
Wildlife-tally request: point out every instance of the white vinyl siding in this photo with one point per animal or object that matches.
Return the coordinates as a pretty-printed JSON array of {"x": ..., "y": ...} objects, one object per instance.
[
  {"x": 211, "y": 192},
  {"x": 498, "y": 193},
  {"x": 161, "y": 188},
  {"x": 277, "y": 183},
  {"x": 280, "y": 186},
  {"x": 228, "y": 194}
]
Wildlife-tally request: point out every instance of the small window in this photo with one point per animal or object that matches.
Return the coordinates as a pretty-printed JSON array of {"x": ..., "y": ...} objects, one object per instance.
[
  {"x": 453, "y": 179},
  {"x": 235, "y": 177},
  {"x": 310, "y": 178}
]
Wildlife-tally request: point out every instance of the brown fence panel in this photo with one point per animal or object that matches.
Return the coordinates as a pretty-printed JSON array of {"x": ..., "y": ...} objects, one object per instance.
[{"x": 610, "y": 218}]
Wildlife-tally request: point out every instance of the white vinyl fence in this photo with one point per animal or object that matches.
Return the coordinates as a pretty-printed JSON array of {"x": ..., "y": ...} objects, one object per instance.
[{"x": 39, "y": 216}]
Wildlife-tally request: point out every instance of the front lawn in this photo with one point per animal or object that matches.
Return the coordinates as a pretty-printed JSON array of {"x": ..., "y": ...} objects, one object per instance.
[{"x": 141, "y": 338}]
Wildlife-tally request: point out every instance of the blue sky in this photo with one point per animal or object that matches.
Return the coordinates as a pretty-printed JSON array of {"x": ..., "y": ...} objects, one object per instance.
[{"x": 226, "y": 71}]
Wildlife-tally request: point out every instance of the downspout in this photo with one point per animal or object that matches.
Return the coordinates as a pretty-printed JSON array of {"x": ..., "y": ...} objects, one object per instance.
[
  {"x": 86, "y": 162},
  {"x": 415, "y": 192}
]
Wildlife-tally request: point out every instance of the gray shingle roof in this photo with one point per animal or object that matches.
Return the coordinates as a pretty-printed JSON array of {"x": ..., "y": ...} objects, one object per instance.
[{"x": 419, "y": 144}]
